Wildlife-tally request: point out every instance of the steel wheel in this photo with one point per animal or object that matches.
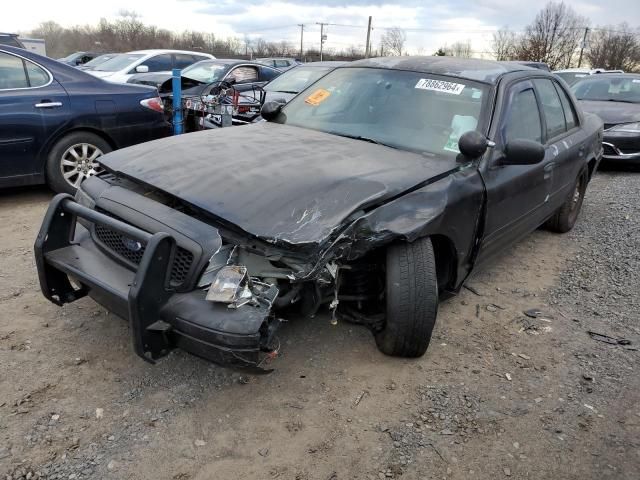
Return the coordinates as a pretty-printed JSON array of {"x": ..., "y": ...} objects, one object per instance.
[{"x": 78, "y": 162}]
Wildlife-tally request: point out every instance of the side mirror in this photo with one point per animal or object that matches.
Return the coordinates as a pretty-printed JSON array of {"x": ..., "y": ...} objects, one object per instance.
[
  {"x": 472, "y": 144},
  {"x": 270, "y": 110},
  {"x": 142, "y": 69},
  {"x": 523, "y": 152}
]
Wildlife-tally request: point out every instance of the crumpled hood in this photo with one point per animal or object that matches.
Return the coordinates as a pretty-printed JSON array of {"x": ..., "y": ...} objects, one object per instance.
[
  {"x": 612, "y": 112},
  {"x": 278, "y": 182}
]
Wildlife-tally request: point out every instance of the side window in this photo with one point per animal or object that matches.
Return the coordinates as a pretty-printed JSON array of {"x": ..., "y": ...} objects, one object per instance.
[
  {"x": 523, "y": 118},
  {"x": 551, "y": 107},
  {"x": 281, "y": 63},
  {"x": 183, "y": 60},
  {"x": 159, "y": 63},
  {"x": 567, "y": 106},
  {"x": 198, "y": 58},
  {"x": 37, "y": 76},
  {"x": 245, "y": 74},
  {"x": 12, "y": 72},
  {"x": 268, "y": 74}
]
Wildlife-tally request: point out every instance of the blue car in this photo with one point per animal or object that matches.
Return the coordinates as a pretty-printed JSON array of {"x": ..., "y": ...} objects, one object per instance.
[{"x": 57, "y": 121}]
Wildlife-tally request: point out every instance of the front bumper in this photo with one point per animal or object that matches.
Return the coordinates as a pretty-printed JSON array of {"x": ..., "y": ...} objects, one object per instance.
[
  {"x": 621, "y": 148},
  {"x": 160, "y": 318}
]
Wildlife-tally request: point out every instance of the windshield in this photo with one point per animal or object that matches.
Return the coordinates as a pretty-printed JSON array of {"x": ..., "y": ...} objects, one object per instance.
[
  {"x": 99, "y": 60},
  {"x": 412, "y": 111},
  {"x": 571, "y": 77},
  {"x": 296, "y": 79},
  {"x": 607, "y": 88},
  {"x": 206, "y": 72},
  {"x": 119, "y": 62}
]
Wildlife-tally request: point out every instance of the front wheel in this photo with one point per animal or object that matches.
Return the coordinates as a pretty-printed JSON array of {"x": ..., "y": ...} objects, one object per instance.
[
  {"x": 74, "y": 158},
  {"x": 567, "y": 215},
  {"x": 411, "y": 299}
]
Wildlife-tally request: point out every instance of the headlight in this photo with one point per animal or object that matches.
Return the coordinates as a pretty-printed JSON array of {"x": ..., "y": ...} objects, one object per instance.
[{"x": 626, "y": 128}]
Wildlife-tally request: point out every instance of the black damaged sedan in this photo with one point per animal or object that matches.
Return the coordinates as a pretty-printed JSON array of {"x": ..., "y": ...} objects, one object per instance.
[{"x": 373, "y": 193}]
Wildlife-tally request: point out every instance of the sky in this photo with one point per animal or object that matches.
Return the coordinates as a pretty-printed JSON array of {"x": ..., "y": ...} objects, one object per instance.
[{"x": 428, "y": 25}]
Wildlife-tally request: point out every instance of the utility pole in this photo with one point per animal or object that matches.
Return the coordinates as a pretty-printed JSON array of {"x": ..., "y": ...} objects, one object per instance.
[
  {"x": 301, "y": 25},
  {"x": 323, "y": 37},
  {"x": 583, "y": 45},
  {"x": 367, "y": 48}
]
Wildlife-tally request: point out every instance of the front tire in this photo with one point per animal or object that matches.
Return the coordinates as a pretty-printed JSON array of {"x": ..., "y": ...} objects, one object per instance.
[
  {"x": 74, "y": 158},
  {"x": 567, "y": 215},
  {"x": 411, "y": 299}
]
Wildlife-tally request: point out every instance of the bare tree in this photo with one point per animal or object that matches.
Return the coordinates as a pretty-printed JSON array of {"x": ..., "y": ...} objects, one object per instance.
[
  {"x": 553, "y": 36},
  {"x": 393, "y": 40},
  {"x": 614, "y": 48},
  {"x": 459, "y": 49},
  {"x": 504, "y": 45}
]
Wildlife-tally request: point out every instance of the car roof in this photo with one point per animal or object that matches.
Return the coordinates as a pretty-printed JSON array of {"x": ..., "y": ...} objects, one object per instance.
[
  {"x": 232, "y": 61},
  {"x": 486, "y": 71},
  {"x": 328, "y": 63},
  {"x": 162, "y": 50},
  {"x": 593, "y": 78},
  {"x": 8, "y": 34}
]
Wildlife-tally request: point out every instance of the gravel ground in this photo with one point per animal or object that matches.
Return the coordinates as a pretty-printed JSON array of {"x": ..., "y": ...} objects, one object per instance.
[{"x": 501, "y": 393}]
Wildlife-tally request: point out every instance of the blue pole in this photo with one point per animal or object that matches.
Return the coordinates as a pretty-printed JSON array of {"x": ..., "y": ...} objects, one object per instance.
[{"x": 177, "y": 102}]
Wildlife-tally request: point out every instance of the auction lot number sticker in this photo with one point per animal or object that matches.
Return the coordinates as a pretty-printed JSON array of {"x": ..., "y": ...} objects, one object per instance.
[{"x": 440, "y": 86}]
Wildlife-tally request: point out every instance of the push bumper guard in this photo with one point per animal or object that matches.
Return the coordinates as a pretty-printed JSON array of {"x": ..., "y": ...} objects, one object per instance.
[{"x": 160, "y": 318}]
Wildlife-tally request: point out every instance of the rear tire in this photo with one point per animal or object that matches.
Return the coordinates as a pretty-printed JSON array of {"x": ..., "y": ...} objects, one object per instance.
[
  {"x": 567, "y": 215},
  {"x": 72, "y": 159},
  {"x": 411, "y": 299}
]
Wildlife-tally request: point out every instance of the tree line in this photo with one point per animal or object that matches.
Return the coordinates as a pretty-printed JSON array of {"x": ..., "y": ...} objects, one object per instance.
[
  {"x": 557, "y": 36},
  {"x": 561, "y": 38}
]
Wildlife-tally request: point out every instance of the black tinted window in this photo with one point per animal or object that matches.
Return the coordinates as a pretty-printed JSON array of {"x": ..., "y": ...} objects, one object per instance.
[
  {"x": 523, "y": 118},
  {"x": 12, "y": 74},
  {"x": 567, "y": 106},
  {"x": 183, "y": 60},
  {"x": 269, "y": 74},
  {"x": 37, "y": 76},
  {"x": 551, "y": 107},
  {"x": 159, "y": 63}
]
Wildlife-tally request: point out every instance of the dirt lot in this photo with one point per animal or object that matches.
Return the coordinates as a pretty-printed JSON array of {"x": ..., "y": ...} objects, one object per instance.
[{"x": 499, "y": 394}]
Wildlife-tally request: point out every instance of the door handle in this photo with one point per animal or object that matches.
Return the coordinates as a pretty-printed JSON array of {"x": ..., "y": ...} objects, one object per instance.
[{"x": 48, "y": 104}]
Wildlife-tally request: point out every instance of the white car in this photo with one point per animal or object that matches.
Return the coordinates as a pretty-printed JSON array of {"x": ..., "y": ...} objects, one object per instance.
[
  {"x": 121, "y": 67},
  {"x": 574, "y": 75}
]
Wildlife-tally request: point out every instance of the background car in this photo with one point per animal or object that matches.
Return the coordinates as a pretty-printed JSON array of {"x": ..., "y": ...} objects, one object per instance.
[
  {"x": 293, "y": 81},
  {"x": 573, "y": 75},
  {"x": 78, "y": 58},
  {"x": 56, "y": 121},
  {"x": 205, "y": 78},
  {"x": 615, "y": 98},
  {"x": 281, "y": 63},
  {"x": 99, "y": 60},
  {"x": 10, "y": 39},
  {"x": 121, "y": 67}
]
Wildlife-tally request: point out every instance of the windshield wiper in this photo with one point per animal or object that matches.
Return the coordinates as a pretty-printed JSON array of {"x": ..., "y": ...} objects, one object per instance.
[
  {"x": 285, "y": 91},
  {"x": 364, "y": 139},
  {"x": 620, "y": 100}
]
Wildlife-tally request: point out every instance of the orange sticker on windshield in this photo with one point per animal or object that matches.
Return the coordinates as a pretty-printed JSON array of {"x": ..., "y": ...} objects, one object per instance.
[{"x": 317, "y": 97}]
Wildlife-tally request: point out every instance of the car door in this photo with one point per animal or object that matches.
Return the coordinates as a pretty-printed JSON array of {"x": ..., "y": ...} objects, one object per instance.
[
  {"x": 33, "y": 106},
  {"x": 516, "y": 194},
  {"x": 564, "y": 139}
]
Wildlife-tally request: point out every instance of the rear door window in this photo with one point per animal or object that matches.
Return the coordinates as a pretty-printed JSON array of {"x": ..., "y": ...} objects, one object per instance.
[
  {"x": 184, "y": 60},
  {"x": 12, "y": 72},
  {"x": 551, "y": 107},
  {"x": 569, "y": 113},
  {"x": 37, "y": 76},
  {"x": 523, "y": 118},
  {"x": 159, "y": 63}
]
